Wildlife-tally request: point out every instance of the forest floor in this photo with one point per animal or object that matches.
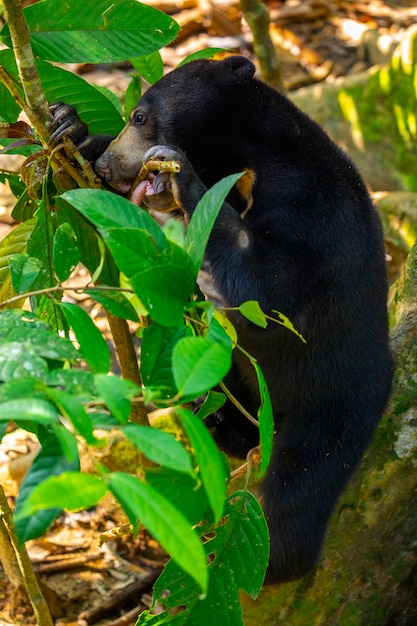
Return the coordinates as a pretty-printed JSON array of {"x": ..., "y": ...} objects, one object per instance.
[{"x": 316, "y": 41}]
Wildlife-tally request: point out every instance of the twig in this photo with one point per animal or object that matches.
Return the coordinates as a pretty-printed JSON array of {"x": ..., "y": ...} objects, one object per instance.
[
  {"x": 40, "y": 608},
  {"x": 121, "y": 598},
  {"x": 257, "y": 16}
]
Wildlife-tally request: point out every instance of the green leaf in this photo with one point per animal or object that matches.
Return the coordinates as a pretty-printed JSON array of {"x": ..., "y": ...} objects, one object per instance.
[
  {"x": 107, "y": 210},
  {"x": 117, "y": 395},
  {"x": 212, "y": 403},
  {"x": 159, "y": 447},
  {"x": 238, "y": 550},
  {"x": 94, "y": 254},
  {"x": 42, "y": 342},
  {"x": 212, "y": 469},
  {"x": 75, "y": 382},
  {"x": 48, "y": 462},
  {"x": 163, "y": 281},
  {"x": 24, "y": 270},
  {"x": 151, "y": 67},
  {"x": 71, "y": 490},
  {"x": 156, "y": 356},
  {"x": 204, "y": 216},
  {"x": 265, "y": 418},
  {"x": 66, "y": 254},
  {"x": 61, "y": 85},
  {"x": 253, "y": 312},
  {"x": 92, "y": 344},
  {"x": 207, "y": 53},
  {"x": 115, "y": 302},
  {"x": 132, "y": 94},
  {"x": 164, "y": 522},
  {"x": 198, "y": 363},
  {"x": 14, "y": 243},
  {"x": 181, "y": 487},
  {"x": 284, "y": 321},
  {"x": 73, "y": 409},
  {"x": 32, "y": 409},
  {"x": 165, "y": 288},
  {"x": 98, "y": 31}
]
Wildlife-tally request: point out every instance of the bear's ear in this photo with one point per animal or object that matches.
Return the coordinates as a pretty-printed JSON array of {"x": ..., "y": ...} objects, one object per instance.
[{"x": 240, "y": 67}]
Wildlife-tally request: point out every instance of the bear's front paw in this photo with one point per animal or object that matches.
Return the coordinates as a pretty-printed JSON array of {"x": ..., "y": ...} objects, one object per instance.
[{"x": 66, "y": 123}]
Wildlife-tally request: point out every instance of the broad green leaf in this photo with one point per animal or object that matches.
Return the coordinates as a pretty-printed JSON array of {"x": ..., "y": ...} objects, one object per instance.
[
  {"x": 217, "y": 334},
  {"x": 164, "y": 521},
  {"x": 16, "y": 318},
  {"x": 207, "y": 53},
  {"x": 42, "y": 342},
  {"x": 14, "y": 243},
  {"x": 115, "y": 302},
  {"x": 106, "y": 210},
  {"x": 199, "y": 364},
  {"x": 265, "y": 419},
  {"x": 211, "y": 466},
  {"x": 67, "y": 441},
  {"x": 66, "y": 254},
  {"x": 76, "y": 382},
  {"x": 50, "y": 461},
  {"x": 163, "y": 281},
  {"x": 40, "y": 246},
  {"x": 33, "y": 409},
  {"x": 93, "y": 253},
  {"x": 71, "y": 490},
  {"x": 156, "y": 356},
  {"x": 22, "y": 387},
  {"x": 204, "y": 216},
  {"x": 97, "y": 31},
  {"x": 117, "y": 395},
  {"x": 253, "y": 312},
  {"x": 92, "y": 344},
  {"x": 159, "y": 447},
  {"x": 73, "y": 409},
  {"x": 227, "y": 325},
  {"x": 18, "y": 360},
  {"x": 24, "y": 270},
  {"x": 60, "y": 85},
  {"x": 165, "y": 288},
  {"x": 151, "y": 67},
  {"x": 214, "y": 400},
  {"x": 238, "y": 550},
  {"x": 181, "y": 487},
  {"x": 133, "y": 249},
  {"x": 132, "y": 95}
]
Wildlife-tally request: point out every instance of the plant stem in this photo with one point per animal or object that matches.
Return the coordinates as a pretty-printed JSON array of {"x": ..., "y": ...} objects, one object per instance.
[
  {"x": 34, "y": 96},
  {"x": 40, "y": 608},
  {"x": 128, "y": 362}
]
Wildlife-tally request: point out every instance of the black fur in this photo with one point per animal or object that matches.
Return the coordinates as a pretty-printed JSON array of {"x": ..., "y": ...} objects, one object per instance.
[{"x": 311, "y": 247}]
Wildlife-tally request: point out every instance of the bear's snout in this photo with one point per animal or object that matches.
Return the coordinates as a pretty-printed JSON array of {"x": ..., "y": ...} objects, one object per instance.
[{"x": 103, "y": 166}]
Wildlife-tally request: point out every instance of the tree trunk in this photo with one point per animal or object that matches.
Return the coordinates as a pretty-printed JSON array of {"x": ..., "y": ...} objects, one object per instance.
[{"x": 368, "y": 572}]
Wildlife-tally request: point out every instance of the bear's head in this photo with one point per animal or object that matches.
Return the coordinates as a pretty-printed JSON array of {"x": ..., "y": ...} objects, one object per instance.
[{"x": 192, "y": 108}]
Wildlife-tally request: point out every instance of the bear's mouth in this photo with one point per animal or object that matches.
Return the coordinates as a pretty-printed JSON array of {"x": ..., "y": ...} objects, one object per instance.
[{"x": 155, "y": 183}]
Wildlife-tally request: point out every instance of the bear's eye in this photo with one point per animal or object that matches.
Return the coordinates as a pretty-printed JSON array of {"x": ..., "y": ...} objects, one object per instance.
[{"x": 139, "y": 118}]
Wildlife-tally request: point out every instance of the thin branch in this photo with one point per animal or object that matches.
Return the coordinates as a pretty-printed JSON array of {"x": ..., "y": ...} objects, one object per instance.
[{"x": 257, "y": 16}]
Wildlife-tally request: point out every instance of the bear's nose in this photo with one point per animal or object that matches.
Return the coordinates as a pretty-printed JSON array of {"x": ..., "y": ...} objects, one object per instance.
[{"x": 103, "y": 166}]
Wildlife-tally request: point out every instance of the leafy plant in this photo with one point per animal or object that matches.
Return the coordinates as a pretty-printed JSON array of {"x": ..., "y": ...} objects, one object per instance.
[{"x": 138, "y": 272}]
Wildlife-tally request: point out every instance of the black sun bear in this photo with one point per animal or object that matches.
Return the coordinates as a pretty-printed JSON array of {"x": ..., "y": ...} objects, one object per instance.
[{"x": 303, "y": 239}]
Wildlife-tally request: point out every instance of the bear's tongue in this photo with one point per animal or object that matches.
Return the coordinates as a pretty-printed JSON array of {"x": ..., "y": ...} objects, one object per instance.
[{"x": 143, "y": 189}]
